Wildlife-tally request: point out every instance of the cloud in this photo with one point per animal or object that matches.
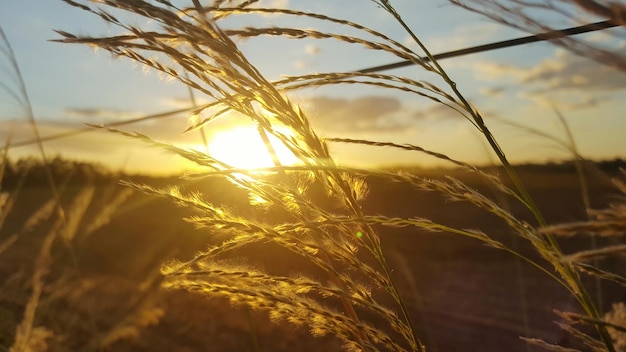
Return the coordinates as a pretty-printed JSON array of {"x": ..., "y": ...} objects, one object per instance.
[
  {"x": 83, "y": 142},
  {"x": 281, "y": 4},
  {"x": 97, "y": 145},
  {"x": 184, "y": 102},
  {"x": 91, "y": 114},
  {"x": 461, "y": 37},
  {"x": 565, "y": 102},
  {"x": 494, "y": 71},
  {"x": 434, "y": 112},
  {"x": 565, "y": 80},
  {"x": 72, "y": 137},
  {"x": 176, "y": 103},
  {"x": 364, "y": 114},
  {"x": 371, "y": 114},
  {"x": 491, "y": 92},
  {"x": 306, "y": 57},
  {"x": 564, "y": 71},
  {"x": 569, "y": 71},
  {"x": 312, "y": 49},
  {"x": 300, "y": 64},
  {"x": 599, "y": 37},
  {"x": 69, "y": 133}
]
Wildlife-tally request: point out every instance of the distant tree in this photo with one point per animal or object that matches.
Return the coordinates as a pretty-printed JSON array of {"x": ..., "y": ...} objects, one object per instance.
[
  {"x": 61, "y": 170},
  {"x": 613, "y": 165}
]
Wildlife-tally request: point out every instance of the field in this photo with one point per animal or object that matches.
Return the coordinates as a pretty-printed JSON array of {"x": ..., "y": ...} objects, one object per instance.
[
  {"x": 276, "y": 246},
  {"x": 102, "y": 290}
]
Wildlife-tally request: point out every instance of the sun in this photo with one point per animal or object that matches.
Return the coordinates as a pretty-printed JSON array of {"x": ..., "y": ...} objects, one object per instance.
[{"x": 242, "y": 147}]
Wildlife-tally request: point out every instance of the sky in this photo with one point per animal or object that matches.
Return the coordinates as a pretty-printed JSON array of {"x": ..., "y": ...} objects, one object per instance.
[{"x": 70, "y": 86}]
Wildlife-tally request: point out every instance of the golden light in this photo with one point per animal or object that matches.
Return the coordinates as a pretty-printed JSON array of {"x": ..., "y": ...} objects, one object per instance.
[{"x": 242, "y": 147}]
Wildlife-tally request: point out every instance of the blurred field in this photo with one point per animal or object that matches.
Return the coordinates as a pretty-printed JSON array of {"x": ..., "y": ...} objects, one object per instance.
[{"x": 101, "y": 290}]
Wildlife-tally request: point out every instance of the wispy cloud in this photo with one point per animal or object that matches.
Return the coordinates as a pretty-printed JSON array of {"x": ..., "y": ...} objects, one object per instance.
[
  {"x": 312, "y": 49},
  {"x": 599, "y": 37},
  {"x": 371, "y": 115},
  {"x": 495, "y": 71},
  {"x": 272, "y": 4},
  {"x": 362, "y": 114},
  {"x": 461, "y": 37},
  {"x": 562, "y": 71},
  {"x": 567, "y": 102},
  {"x": 306, "y": 58},
  {"x": 492, "y": 92},
  {"x": 300, "y": 64},
  {"x": 183, "y": 102},
  {"x": 434, "y": 112},
  {"x": 100, "y": 145},
  {"x": 564, "y": 79},
  {"x": 100, "y": 114},
  {"x": 82, "y": 143}
]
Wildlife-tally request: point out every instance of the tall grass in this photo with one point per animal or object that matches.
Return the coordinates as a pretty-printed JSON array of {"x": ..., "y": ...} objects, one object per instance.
[
  {"x": 356, "y": 298},
  {"x": 63, "y": 220}
]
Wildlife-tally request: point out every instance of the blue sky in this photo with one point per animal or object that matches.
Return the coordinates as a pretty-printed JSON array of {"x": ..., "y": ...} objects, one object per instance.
[{"x": 71, "y": 85}]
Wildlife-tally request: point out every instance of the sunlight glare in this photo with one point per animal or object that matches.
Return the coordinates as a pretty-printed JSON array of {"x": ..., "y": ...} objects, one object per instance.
[{"x": 242, "y": 147}]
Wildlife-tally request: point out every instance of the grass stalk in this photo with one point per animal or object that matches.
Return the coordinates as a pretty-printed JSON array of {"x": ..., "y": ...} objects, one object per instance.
[
  {"x": 567, "y": 271},
  {"x": 206, "y": 59}
]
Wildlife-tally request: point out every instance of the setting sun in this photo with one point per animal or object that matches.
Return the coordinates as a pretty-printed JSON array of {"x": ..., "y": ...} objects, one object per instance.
[{"x": 242, "y": 147}]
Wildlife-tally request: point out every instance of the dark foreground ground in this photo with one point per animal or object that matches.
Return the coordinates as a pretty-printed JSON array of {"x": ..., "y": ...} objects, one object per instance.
[{"x": 462, "y": 296}]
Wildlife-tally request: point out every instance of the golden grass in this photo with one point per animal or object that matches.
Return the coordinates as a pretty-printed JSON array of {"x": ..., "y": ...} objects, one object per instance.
[
  {"x": 336, "y": 236},
  {"x": 196, "y": 44}
]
